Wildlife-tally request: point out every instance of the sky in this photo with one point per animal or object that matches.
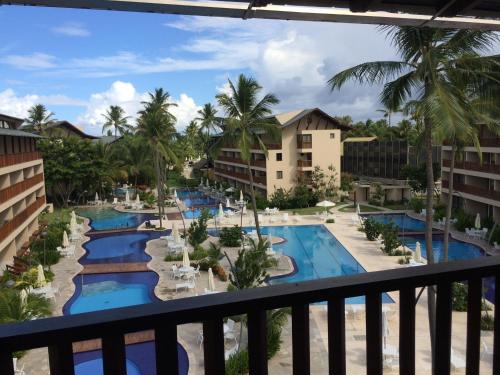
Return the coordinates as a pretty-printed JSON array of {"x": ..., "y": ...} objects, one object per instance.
[{"x": 79, "y": 62}]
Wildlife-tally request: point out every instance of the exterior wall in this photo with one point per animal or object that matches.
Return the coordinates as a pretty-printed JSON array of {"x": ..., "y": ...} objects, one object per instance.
[
  {"x": 476, "y": 180},
  {"x": 22, "y": 195}
]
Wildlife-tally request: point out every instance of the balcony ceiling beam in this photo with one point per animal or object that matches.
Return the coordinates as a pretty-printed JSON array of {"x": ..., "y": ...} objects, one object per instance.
[{"x": 278, "y": 12}]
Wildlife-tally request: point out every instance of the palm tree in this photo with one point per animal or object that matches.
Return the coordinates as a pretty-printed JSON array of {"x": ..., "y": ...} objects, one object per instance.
[
  {"x": 156, "y": 125},
  {"x": 133, "y": 156},
  {"x": 208, "y": 121},
  {"x": 248, "y": 121},
  {"x": 387, "y": 113},
  {"x": 14, "y": 309},
  {"x": 116, "y": 119},
  {"x": 429, "y": 58},
  {"x": 38, "y": 118}
]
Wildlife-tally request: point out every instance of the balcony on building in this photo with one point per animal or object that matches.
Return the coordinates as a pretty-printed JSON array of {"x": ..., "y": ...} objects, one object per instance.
[{"x": 304, "y": 141}]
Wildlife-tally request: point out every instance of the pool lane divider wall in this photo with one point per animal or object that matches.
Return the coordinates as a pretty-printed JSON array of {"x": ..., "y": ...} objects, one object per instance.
[{"x": 99, "y": 268}]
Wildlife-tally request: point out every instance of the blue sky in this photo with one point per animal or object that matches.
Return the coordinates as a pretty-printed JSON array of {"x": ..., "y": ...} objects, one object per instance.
[{"x": 78, "y": 62}]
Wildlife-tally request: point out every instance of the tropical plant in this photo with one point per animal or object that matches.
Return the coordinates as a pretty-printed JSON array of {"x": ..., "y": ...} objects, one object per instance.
[
  {"x": 390, "y": 240},
  {"x": 249, "y": 269},
  {"x": 116, "y": 120},
  {"x": 38, "y": 118},
  {"x": 14, "y": 309},
  {"x": 230, "y": 236},
  {"x": 248, "y": 123},
  {"x": 372, "y": 228},
  {"x": 197, "y": 232},
  {"x": 157, "y": 125},
  {"x": 432, "y": 61}
]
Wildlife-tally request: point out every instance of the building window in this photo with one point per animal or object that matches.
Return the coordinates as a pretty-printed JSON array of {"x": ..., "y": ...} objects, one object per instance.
[
  {"x": 279, "y": 175},
  {"x": 279, "y": 156},
  {"x": 332, "y": 135}
]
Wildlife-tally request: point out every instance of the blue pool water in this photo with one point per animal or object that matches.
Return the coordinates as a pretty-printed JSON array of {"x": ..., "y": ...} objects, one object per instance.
[
  {"x": 119, "y": 248},
  {"x": 404, "y": 222},
  {"x": 194, "y": 198},
  {"x": 111, "y": 290},
  {"x": 109, "y": 218},
  {"x": 94, "y": 366},
  {"x": 195, "y": 213},
  {"x": 317, "y": 254}
]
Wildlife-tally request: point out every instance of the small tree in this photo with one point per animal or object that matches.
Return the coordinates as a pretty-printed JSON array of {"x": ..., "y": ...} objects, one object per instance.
[
  {"x": 197, "y": 232},
  {"x": 281, "y": 198},
  {"x": 390, "y": 240},
  {"x": 249, "y": 270}
]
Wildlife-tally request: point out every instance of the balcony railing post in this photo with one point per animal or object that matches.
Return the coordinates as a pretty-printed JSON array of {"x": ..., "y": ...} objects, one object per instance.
[
  {"x": 6, "y": 363},
  {"x": 475, "y": 287},
  {"x": 336, "y": 337},
  {"x": 496, "y": 328},
  {"x": 301, "y": 340},
  {"x": 213, "y": 347},
  {"x": 443, "y": 329},
  {"x": 257, "y": 342},
  {"x": 113, "y": 354},
  {"x": 61, "y": 359},
  {"x": 374, "y": 364},
  {"x": 407, "y": 331},
  {"x": 167, "y": 360}
]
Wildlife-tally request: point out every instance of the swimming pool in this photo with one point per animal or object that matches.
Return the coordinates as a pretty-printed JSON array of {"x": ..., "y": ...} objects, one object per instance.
[
  {"x": 119, "y": 248},
  {"x": 403, "y": 221},
  {"x": 194, "y": 198},
  {"x": 109, "y": 218},
  {"x": 111, "y": 290},
  {"x": 316, "y": 254},
  {"x": 195, "y": 213}
]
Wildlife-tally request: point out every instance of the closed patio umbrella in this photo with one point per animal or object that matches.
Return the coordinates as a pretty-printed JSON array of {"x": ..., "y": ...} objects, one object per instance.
[
  {"x": 201, "y": 181},
  {"x": 221, "y": 211},
  {"x": 175, "y": 233},
  {"x": 137, "y": 199},
  {"x": 270, "y": 241},
  {"x": 23, "y": 296},
  {"x": 418, "y": 253},
  {"x": 73, "y": 215},
  {"x": 325, "y": 204},
  {"x": 40, "y": 279},
  {"x": 241, "y": 196},
  {"x": 477, "y": 223},
  {"x": 185, "y": 258},
  {"x": 211, "y": 283},
  {"x": 208, "y": 183},
  {"x": 228, "y": 204},
  {"x": 175, "y": 193},
  {"x": 127, "y": 196},
  {"x": 96, "y": 196},
  {"x": 358, "y": 209},
  {"x": 72, "y": 225},
  {"x": 65, "y": 240}
]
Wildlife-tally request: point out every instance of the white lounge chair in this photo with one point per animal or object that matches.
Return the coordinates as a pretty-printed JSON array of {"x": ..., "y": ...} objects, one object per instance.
[
  {"x": 188, "y": 285},
  {"x": 456, "y": 361},
  {"x": 17, "y": 370},
  {"x": 196, "y": 271},
  {"x": 175, "y": 273}
]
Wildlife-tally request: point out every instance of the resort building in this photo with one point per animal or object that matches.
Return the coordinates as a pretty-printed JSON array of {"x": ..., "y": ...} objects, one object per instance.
[
  {"x": 476, "y": 178},
  {"x": 22, "y": 188},
  {"x": 64, "y": 129},
  {"x": 379, "y": 164},
  {"x": 309, "y": 138}
]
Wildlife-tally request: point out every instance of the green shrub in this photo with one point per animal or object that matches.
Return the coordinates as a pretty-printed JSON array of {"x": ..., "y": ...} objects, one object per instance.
[
  {"x": 330, "y": 221},
  {"x": 281, "y": 198},
  {"x": 405, "y": 260},
  {"x": 237, "y": 364},
  {"x": 173, "y": 258},
  {"x": 260, "y": 201},
  {"x": 459, "y": 297},
  {"x": 197, "y": 231},
  {"x": 390, "y": 239},
  {"x": 487, "y": 322},
  {"x": 463, "y": 220},
  {"x": 439, "y": 212},
  {"x": 416, "y": 204},
  {"x": 230, "y": 236},
  {"x": 487, "y": 222},
  {"x": 372, "y": 228}
]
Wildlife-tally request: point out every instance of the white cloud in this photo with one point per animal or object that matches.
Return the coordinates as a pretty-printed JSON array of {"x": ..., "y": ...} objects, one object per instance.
[
  {"x": 36, "y": 60},
  {"x": 125, "y": 95},
  {"x": 14, "y": 105},
  {"x": 71, "y": 29}
]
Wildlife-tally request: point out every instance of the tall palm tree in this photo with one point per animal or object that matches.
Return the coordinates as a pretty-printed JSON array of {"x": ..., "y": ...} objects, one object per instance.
[
  {"x": 429, "y": 57},
  {"x": 116, "y": 119},
  {"x": 157, "y": 125},
  {"x": 38, "y": 118},
  {"x": 248, "y": 121},
  {"x": 208, "y": 121},
  {"x": 387, "y": 113}
]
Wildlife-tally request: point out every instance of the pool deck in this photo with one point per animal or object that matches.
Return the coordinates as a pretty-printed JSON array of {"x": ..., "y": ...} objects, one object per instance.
[
  {"x": 91, "y": 269},
  {"x": 367, "y": 253}
]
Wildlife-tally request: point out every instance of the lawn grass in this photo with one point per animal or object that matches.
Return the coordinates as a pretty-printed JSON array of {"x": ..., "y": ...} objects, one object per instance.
[
  {"x": 396, "y": 206},
  {"x": 363, "y": 208},
  {"x": 60, "y": 214},
  {"x": 307, "y": 210}
]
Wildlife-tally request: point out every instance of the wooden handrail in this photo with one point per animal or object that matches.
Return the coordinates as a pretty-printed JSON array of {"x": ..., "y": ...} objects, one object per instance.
[
  {"x": 242, "y": 176},
  {"x": 18, "y": 188},
  {"x": 111, "y": 325},
  {"x": 487, "y": 168},
  {"x": 473, "y": 190},
  {"x": 12, "y": 159}
]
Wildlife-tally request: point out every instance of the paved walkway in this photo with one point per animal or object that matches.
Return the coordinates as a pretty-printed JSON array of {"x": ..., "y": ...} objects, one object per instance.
[{"x": 90, "y": 269}]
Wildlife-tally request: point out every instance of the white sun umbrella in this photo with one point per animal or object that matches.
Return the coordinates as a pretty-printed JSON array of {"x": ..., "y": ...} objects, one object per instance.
[
  {"x": 73, "y": 215},
  {"x": 385, "y": 328},
  {"x": 358, "y": 209},
  {"x": 40, "y": 279},
  {"x": 211, "y": 283},
  {"x": 418, "y": 253},
  {"x": 241, "y": 196},
  {"x": 175, "y": 232},
  {"x": 270, "y": 241},
  {"x": 477, "y": 223},
  {"x": 221, "y": 211},
  {"x": 185, "y": 258},
  {"x": 23, "y": 296},
  {"x": 137, "y": 199},
  {"x": 65, "y": 240},
  {"x": 96, "y": 196},
  {"x": 73, "y": 225},
  {"x": 127, "y": 196},
  {"x": 325, "y": 204},
  {"x": 208, "y": 183},
  {"x": 175, "y": 194},
  {"x": 228, "y": 204}
]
